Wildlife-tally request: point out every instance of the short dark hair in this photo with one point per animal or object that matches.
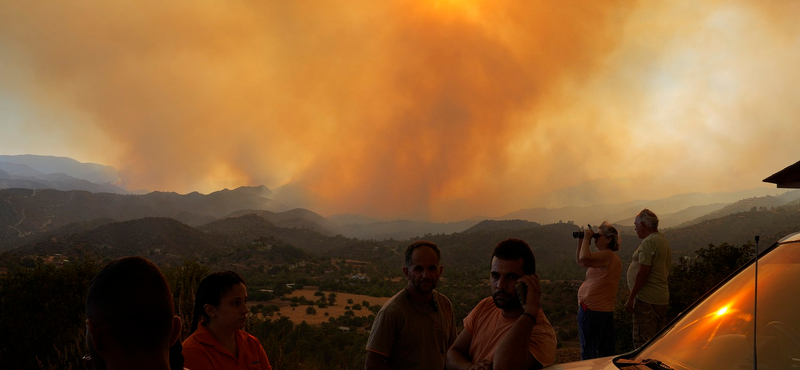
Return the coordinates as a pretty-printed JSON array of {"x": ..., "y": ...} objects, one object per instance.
[
  {"x": 210, "y": 291},
  {"x": 514, "y": 249},
  {"x": 422, "y": 243},
  {"x": 132, "y": 299}
]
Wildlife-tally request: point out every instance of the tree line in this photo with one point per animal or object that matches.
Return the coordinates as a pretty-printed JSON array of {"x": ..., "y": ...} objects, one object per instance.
[{"x": 43, "y": 308}]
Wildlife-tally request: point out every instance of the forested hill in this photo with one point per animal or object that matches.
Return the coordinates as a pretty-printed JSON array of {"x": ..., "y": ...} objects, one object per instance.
[
  {"x": 27, "y": 216},
  {"x": 166, "y": 240},
  {"x": 553, "y": 245},
  {"x": 739, "y": 228},
  {"x": 25, "y": 213},
  {"x": 271, "y": 257}
]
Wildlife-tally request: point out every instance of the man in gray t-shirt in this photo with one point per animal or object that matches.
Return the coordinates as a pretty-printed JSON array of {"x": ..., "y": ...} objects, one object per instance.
[
  {"x": 648, "y": 277},
  {"x": 416, "y": 327}
]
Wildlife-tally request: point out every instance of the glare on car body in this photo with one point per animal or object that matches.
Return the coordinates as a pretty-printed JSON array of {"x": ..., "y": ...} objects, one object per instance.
[{"x": 717, "y": 331}]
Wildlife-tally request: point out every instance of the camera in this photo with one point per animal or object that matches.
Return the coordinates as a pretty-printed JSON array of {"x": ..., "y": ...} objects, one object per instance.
[
  {"x": 522, "y": 291},
  {"x": 579, "y": 234}
]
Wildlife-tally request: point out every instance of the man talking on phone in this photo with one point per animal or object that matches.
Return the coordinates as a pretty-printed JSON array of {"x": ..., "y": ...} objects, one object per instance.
[{"x": 502, "y": 332}]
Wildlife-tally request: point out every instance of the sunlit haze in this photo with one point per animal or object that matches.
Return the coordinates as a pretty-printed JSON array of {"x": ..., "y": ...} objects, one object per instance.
[{"x": 434, "y": 110}]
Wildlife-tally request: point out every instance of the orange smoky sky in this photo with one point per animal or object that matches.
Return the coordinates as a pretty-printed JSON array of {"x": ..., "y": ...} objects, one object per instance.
[{"x": 437, "y": 110}]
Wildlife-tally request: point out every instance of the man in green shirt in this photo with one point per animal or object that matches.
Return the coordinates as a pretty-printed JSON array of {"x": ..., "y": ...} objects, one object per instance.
[{"x": 647, "y": 279}]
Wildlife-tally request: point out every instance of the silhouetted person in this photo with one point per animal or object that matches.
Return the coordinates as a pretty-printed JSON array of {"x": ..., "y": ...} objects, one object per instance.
[{"x": 130, "y": 317}]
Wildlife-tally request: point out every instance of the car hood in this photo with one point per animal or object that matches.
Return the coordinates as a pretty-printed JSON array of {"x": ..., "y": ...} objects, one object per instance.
[{"x": 604, "y": 363}]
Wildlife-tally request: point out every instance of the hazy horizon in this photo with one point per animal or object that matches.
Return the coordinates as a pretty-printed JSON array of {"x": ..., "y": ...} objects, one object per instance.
[
  {"x": 667, "y": 208},
  {"x": 439, "y": 110}
]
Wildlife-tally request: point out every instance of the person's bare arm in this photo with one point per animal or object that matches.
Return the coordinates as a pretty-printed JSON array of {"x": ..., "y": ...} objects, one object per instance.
[
  {"x": 578, "y": 252},
  {"x": 641, "y": 277},
  {"x": 376, "y": 361},
  {"x": 458, "y": 354},
  {"x": 512, "y": 351},
  {"x": 587, "y": 258}
]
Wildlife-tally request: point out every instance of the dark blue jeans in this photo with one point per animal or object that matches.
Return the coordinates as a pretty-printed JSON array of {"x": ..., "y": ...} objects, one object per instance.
[{"x": 596, "y": 331}]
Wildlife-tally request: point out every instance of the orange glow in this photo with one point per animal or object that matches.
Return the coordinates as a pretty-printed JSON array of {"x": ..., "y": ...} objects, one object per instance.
[
  {"x": 722, "y": 311},
  {"x": 466, "y": 6},
  {"x": 421, "y": 109}
]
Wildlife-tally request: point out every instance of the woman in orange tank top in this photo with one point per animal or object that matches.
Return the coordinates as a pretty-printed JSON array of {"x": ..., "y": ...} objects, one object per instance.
[{"x": 598, "y": 293}]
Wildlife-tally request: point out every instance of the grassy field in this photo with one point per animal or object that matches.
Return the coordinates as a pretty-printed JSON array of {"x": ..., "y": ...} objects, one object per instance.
[
  {"x": 298, "y": 314},
  {"x": 567, "y": 353}
]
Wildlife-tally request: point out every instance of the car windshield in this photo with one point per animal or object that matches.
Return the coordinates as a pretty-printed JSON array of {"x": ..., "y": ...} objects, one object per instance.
[{"x": 718, "y": 333}]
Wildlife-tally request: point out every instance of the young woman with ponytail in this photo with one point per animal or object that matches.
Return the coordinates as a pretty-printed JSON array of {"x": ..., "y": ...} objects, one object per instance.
[{"x": 217, "y": 340}]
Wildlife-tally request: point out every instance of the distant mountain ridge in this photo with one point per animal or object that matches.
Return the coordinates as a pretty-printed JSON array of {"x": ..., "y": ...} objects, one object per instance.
[
  {"x": 25, "y": 212},
  {"x": 744, "y": 205},
  {"x": 93, "y": 172},
  {"x": 294, "y": 218},
  {"x": 10, "y": 178},
  {"x": 44, "y": 209},
  {"x": 249, "y": 235},
  {"x": 59, "y": 173},
  {"x": 672, "y": 210},
  {"x": 493, "y": 225},
  {"x": 165, "y": 239}
]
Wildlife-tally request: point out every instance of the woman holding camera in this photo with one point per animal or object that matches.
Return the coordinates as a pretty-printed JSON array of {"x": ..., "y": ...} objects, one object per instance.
[{"x": 598, "y": 293}]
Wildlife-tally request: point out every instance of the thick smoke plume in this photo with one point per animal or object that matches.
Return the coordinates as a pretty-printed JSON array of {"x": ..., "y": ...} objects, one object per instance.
[{"x": 422, "y": 109}]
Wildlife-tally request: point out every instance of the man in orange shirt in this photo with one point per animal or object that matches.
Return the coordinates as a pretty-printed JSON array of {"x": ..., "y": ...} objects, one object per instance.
[{"x": 501, "y": 332}]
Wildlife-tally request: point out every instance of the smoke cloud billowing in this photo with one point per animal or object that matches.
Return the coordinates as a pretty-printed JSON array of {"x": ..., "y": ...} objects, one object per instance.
[{"x": 435, "y": 109}]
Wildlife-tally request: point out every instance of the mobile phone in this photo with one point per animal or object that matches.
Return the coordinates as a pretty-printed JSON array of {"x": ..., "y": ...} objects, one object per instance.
[{"x": 522, "y": 291}]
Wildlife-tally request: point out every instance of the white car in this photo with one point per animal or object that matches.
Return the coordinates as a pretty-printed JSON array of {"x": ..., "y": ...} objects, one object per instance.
[{"x": 725, "y": 329}]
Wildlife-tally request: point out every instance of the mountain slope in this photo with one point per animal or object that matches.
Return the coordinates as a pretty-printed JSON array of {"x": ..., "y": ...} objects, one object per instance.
[
  {"x": 748, "y": 204},
  {"x": 156, "y": 237},
  {"x": 249, "y": 227},
  {"x": 26, "y": 212},
  {"x": 92, "y": 172},
  {"x": 621, "y": 213},
  {"x": 738, "y": 228},
  {"x": 402, "y": 229},
  {"x": 295, "y": 218}
]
